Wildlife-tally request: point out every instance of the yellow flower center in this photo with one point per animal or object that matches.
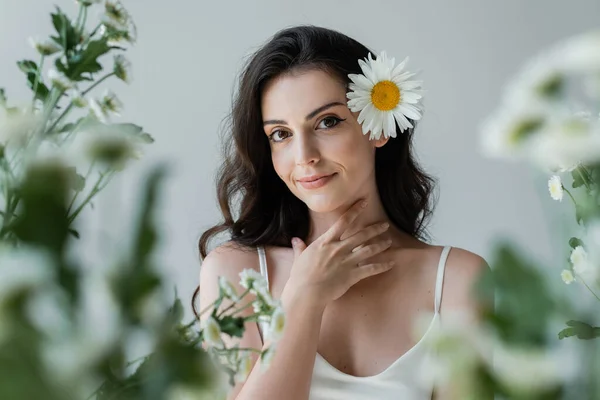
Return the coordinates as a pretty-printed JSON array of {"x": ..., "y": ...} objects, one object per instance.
[{"x": 385, "y": 95}]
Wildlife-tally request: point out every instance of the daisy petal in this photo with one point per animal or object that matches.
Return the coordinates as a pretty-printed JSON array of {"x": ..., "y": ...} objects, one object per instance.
[{"x": 409, "y": 111}]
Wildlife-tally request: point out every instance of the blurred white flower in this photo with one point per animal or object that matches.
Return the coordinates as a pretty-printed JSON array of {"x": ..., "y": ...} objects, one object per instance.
[
  {"x": 556, "y": 188},
  {"x": 582, "y": 265},
  {"x": 277, "y": 325},
  {"x": 212, "y": 332},
  {"x": 77, "y": 98},
  {"x": 567, "y": 276},
  {"x": 44, "y": 47},
  {"x": 60, "y": 81},
  {"x": 22, "y": 268},
  {"x": 509, "y": 131},
  {"x": 581, "y": 53},
  {"x": 228, "y": 289},
  {"x": 267, "y": 356},
  {"x": 122, "y": 68},
  {"x": 244, "y": 367},
  {"x": 250, "y": 278},
  {"x": 18, "y": 124},
  {"x": 115, "y": 13},
  {"x": 104, "y": 107}
]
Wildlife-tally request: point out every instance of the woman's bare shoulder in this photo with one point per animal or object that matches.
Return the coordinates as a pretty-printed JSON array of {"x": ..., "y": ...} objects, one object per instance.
[
  {"x": 229, "y": 259},
  {"x": 463, "y": 270}
]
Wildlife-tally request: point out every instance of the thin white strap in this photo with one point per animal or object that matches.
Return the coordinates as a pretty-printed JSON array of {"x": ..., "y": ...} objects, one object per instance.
[
  {"x": 262, "y": 257},
  {"x": 440, "y": 278}
]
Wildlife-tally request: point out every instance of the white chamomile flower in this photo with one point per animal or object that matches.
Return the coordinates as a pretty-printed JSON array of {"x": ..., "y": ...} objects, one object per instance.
[
  {"x": 244, "y": 367},
  {"x": 277, "y": 324},
  {"x": 121, "y": 68},
  {"x": 250, "y": 278},
  {"x": 46, "y": 47},
  {"x": 267, "y": 356},
  {"x": 116, "y": 12},
  {"x": 580, "y": 261},
  {"x": 77, "y": 98},
  {"x": 104, "y": 107},
  {"x": 59, "y": 80},
  {"x": 212, "y": 333},
  {"x": 97, "y": 111},
  {"x": 556, "y": 188},
  {"x": 384, "y": 96},
  {"x": 228, "y": 288},
  {"x": 567, "y": 276}
]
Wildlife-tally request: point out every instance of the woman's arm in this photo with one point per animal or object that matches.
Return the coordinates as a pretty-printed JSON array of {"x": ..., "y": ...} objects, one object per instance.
[
  {"x": 290, "y": 370},
  {"x": 463, "y": 269}
]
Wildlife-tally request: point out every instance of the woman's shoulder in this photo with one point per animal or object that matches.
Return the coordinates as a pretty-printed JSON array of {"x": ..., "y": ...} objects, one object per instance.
[
  {"x": 228, "y": 260},
  {"x": 463, "y": 270}
]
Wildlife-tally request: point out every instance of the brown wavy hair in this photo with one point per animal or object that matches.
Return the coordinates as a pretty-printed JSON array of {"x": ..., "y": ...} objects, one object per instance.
[{"x": 268, "y": 213}]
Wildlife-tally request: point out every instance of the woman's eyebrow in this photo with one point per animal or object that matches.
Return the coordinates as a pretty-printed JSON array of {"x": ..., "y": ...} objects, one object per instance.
[{"x": 308, "y": 117}]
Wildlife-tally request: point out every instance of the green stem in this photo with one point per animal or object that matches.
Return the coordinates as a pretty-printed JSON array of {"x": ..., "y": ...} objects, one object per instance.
[
  {"x": 241, "y": 308},
  {"x": 570, "y": 195},
  {"x": 588, "y": 288},
  {"x": 37, "y": 78},
  {"x": 61, "y": 116},
  {"x": 95, "y": 190},
  {"x": 85, "y": 14},
  {"x": 87, "y": 175},
  {"x": 78, "y": 20},
  {"x": 233, "y": 304},
  {"x": 97, "y": 83}
]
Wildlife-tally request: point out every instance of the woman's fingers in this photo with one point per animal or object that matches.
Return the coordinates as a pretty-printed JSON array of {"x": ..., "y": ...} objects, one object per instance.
[
  {"x": 368, "y": 270},
  {"x": 343, "y": 223},
  {"x": 368, "y": 251},
  {"x": 365, "y": 235}
]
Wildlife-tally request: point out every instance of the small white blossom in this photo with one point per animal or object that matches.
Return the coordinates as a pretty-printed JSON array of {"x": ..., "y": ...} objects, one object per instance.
[
  {"x": 59, "y": 80},
  {"x": 46, "y": 47},
  {"x": 212, "y": 332},
  {"x": 228, "y": 289},
  {"x": 267, "y": 356},
  {"x": 77, "y": 98},
  {"x": 567, "y": 276},
  {"x": 250, "y": 278},
  {"x": 556, "y": 188},
  {"x": 122, "y": 68},
  {"x": 581, "y": 263},
  {"x": 244, "y": 367},
  {"x": 104, "y": 107},
  {"x": 116, "y": 13},
  {"x": 277, "y": 324}
]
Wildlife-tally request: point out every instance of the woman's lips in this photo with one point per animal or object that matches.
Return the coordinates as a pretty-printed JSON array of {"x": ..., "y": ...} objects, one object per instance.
[{"x": 317, "y": 183}]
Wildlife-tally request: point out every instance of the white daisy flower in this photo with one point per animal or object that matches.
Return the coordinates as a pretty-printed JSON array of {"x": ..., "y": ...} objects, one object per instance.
[
  {"x": 579, "y": 259},
  {"x": 121, "y": 68},
  {"x": 567, "y": 276},
  {"x": 277, "y": 324},
  {"x": 556, "y": 188},
  {"x": 250, "y": 278},
  {"x": 228, "y": 289},
  {"x": 116, "y": 12},
  {"x": 212, "y": 332},
  {"x": 77, "y": 98},
  {"x": 44, "y": 47},
  {"x": 60, "y": 81},
  {"x": 244, "y": 367},
  {"x": 104, "y": 107},
  {"x": 384, "y": 96},
  {"x": 266, "y": 356}
]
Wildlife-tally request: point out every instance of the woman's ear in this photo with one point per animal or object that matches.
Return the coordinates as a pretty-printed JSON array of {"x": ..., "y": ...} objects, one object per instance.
[{"x": 380, "y": 142}]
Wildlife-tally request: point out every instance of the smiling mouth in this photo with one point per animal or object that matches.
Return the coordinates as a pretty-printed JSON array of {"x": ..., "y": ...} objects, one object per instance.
[{"x": 317, "y": 183}]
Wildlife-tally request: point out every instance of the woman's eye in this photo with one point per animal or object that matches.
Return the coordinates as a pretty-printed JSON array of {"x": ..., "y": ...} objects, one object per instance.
[
  {"x": 273, "y": 136},
  {"x": 329, "y": 122}
]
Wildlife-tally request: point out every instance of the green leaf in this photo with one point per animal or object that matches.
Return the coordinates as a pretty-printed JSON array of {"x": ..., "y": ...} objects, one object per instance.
[
  {"x": 74, "y": 233},
  {"x": 85, "y": 61},
  {"x": 67, "y": 35},
  {"x": 233, "y": 326},
  {"x": 577, "y": 178},
  {"x": 2, "y": 98},
  {"x": 574, "y": 242},
  {"x": 134, "y": 130},
  {"x": 30, "y": 68},
  {"x": 580, "y": 329}
]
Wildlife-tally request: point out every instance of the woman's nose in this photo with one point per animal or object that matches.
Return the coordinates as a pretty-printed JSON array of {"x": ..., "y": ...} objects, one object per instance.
[{"x": 306, "y": 149}]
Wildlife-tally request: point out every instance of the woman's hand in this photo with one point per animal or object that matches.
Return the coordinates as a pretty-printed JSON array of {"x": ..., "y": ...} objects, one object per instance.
[{"x": 327, "y": 268}]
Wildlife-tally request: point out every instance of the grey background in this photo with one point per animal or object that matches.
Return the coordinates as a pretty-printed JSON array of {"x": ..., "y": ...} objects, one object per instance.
[{"x": 189, "y": 54}]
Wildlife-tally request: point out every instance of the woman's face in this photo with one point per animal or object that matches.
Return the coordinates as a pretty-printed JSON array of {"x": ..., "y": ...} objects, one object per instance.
[{"x": 312, "y": 133}]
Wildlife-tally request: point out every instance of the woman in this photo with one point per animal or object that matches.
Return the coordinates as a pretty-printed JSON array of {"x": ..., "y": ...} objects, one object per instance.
[{"x": 336, "y": 219}]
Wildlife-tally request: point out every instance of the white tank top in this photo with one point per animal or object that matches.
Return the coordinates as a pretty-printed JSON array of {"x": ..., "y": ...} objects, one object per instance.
[{"x": 408, "y": 378}]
